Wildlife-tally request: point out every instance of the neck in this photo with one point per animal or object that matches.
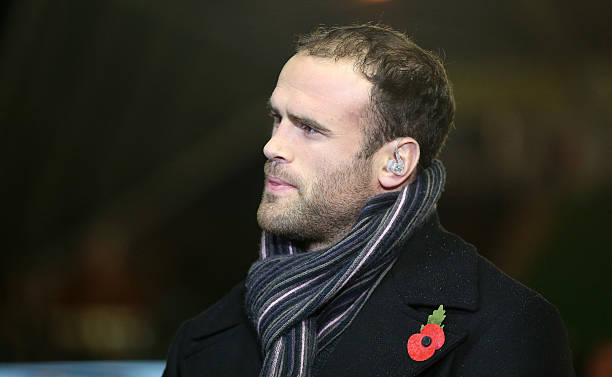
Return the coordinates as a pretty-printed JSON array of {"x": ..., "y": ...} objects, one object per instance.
[
  {"x": 311, "y": 245},
  {"x": 340, "y": 232}
]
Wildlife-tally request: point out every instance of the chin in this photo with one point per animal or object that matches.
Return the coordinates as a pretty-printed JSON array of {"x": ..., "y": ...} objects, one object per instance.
[
  {"x": 265, "y": 215},
  {"x": 276, "y": 222}
]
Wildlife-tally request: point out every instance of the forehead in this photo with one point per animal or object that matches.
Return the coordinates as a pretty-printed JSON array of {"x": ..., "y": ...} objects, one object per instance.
[{"x": 327, "y": 90}]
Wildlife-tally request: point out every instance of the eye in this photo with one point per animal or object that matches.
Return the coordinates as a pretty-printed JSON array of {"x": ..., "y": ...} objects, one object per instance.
[{"x": 307, "y": 129}]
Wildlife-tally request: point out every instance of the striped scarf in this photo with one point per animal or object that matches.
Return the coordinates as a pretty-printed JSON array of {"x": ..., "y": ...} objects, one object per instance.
[{"x": 300, "y": 302}]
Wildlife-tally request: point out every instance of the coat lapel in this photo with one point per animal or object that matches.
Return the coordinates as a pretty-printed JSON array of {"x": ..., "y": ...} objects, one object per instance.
[
  {"x": 434, "y": 268},
  {"x": 225, "y": 314},
  {"x": 222, "y": 341}
]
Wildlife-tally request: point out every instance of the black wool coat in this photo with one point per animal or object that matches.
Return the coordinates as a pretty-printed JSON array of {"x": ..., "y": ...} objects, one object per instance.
[{"x": 494, "y": 326}]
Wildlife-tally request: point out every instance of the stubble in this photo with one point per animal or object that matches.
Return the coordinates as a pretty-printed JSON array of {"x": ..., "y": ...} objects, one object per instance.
[{"x": 321, "y": 212}]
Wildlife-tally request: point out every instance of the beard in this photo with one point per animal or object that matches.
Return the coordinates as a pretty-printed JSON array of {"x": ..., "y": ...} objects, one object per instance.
[{"x": 321, "y": 212}]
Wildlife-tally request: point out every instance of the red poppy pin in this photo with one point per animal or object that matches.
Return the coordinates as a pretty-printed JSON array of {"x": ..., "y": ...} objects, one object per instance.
[{"x": 422, "y": 346}]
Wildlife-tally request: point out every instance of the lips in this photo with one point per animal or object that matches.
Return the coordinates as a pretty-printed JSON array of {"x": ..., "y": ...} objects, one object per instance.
[
  {"x": 277, "y": 184},
  {"x": 278, "y": 179}
]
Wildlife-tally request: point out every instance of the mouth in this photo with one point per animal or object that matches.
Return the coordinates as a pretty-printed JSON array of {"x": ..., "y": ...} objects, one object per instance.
[{"x": 275, "y": 184}]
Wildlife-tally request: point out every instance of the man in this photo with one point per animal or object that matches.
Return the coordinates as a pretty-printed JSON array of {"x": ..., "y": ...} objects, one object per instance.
[{"x": 356, "y": 277}]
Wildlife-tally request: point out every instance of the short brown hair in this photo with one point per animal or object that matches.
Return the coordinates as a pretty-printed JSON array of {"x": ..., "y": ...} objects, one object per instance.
[{"x": 411, "y": 94}]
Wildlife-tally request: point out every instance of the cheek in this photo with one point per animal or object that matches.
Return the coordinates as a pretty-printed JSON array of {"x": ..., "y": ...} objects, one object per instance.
[
  {"x": 330, "y": 167},
  {"x": 334, "y": 177},
  {"x": 319, "y": 174},
  {"x": 327, "y": 166},
  {"x": 318, "y": 163}
]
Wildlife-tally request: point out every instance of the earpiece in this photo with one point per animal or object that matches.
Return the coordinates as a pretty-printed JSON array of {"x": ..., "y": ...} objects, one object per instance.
[{"x": 396, "y": 166}]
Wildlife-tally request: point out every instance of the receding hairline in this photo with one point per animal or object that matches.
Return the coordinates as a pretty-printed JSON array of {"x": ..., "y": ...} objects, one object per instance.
[{"x": 361, "y": 113}]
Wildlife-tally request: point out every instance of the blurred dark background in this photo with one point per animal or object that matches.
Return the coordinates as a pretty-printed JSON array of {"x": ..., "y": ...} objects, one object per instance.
[{"x": 131, "y": 135}]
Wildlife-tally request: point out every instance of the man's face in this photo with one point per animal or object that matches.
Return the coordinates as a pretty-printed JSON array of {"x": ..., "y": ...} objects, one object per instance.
[{"x": 315, "y": 184}]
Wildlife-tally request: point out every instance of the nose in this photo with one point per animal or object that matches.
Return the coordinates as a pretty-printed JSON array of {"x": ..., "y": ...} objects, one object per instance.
[{"x": 278, "y": 147}]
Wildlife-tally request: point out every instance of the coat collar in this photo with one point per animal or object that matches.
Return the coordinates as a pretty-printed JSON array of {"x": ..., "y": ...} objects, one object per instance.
[
  {"x": 225, "y": 314},
  {"x": 437, "y": 268}
]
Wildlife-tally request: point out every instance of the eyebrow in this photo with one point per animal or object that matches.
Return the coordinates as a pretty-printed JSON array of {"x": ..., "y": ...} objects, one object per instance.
[{"x": 308, "y": 122}]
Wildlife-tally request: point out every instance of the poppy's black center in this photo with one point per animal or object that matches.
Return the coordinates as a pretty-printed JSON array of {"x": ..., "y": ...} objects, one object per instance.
[{"x": 426, "y": 341}]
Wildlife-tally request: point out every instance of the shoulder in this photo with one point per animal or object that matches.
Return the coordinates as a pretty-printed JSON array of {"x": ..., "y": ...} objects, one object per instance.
[
  {"x": 459, "y": 261},
  {"x": 509, "y": 327},
  {"x": 517, "y": 331},
  {"x": 514, "y": 329}
]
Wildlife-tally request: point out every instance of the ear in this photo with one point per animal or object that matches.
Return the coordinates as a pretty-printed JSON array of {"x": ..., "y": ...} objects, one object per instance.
[{"x": 409, "y": 151}]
